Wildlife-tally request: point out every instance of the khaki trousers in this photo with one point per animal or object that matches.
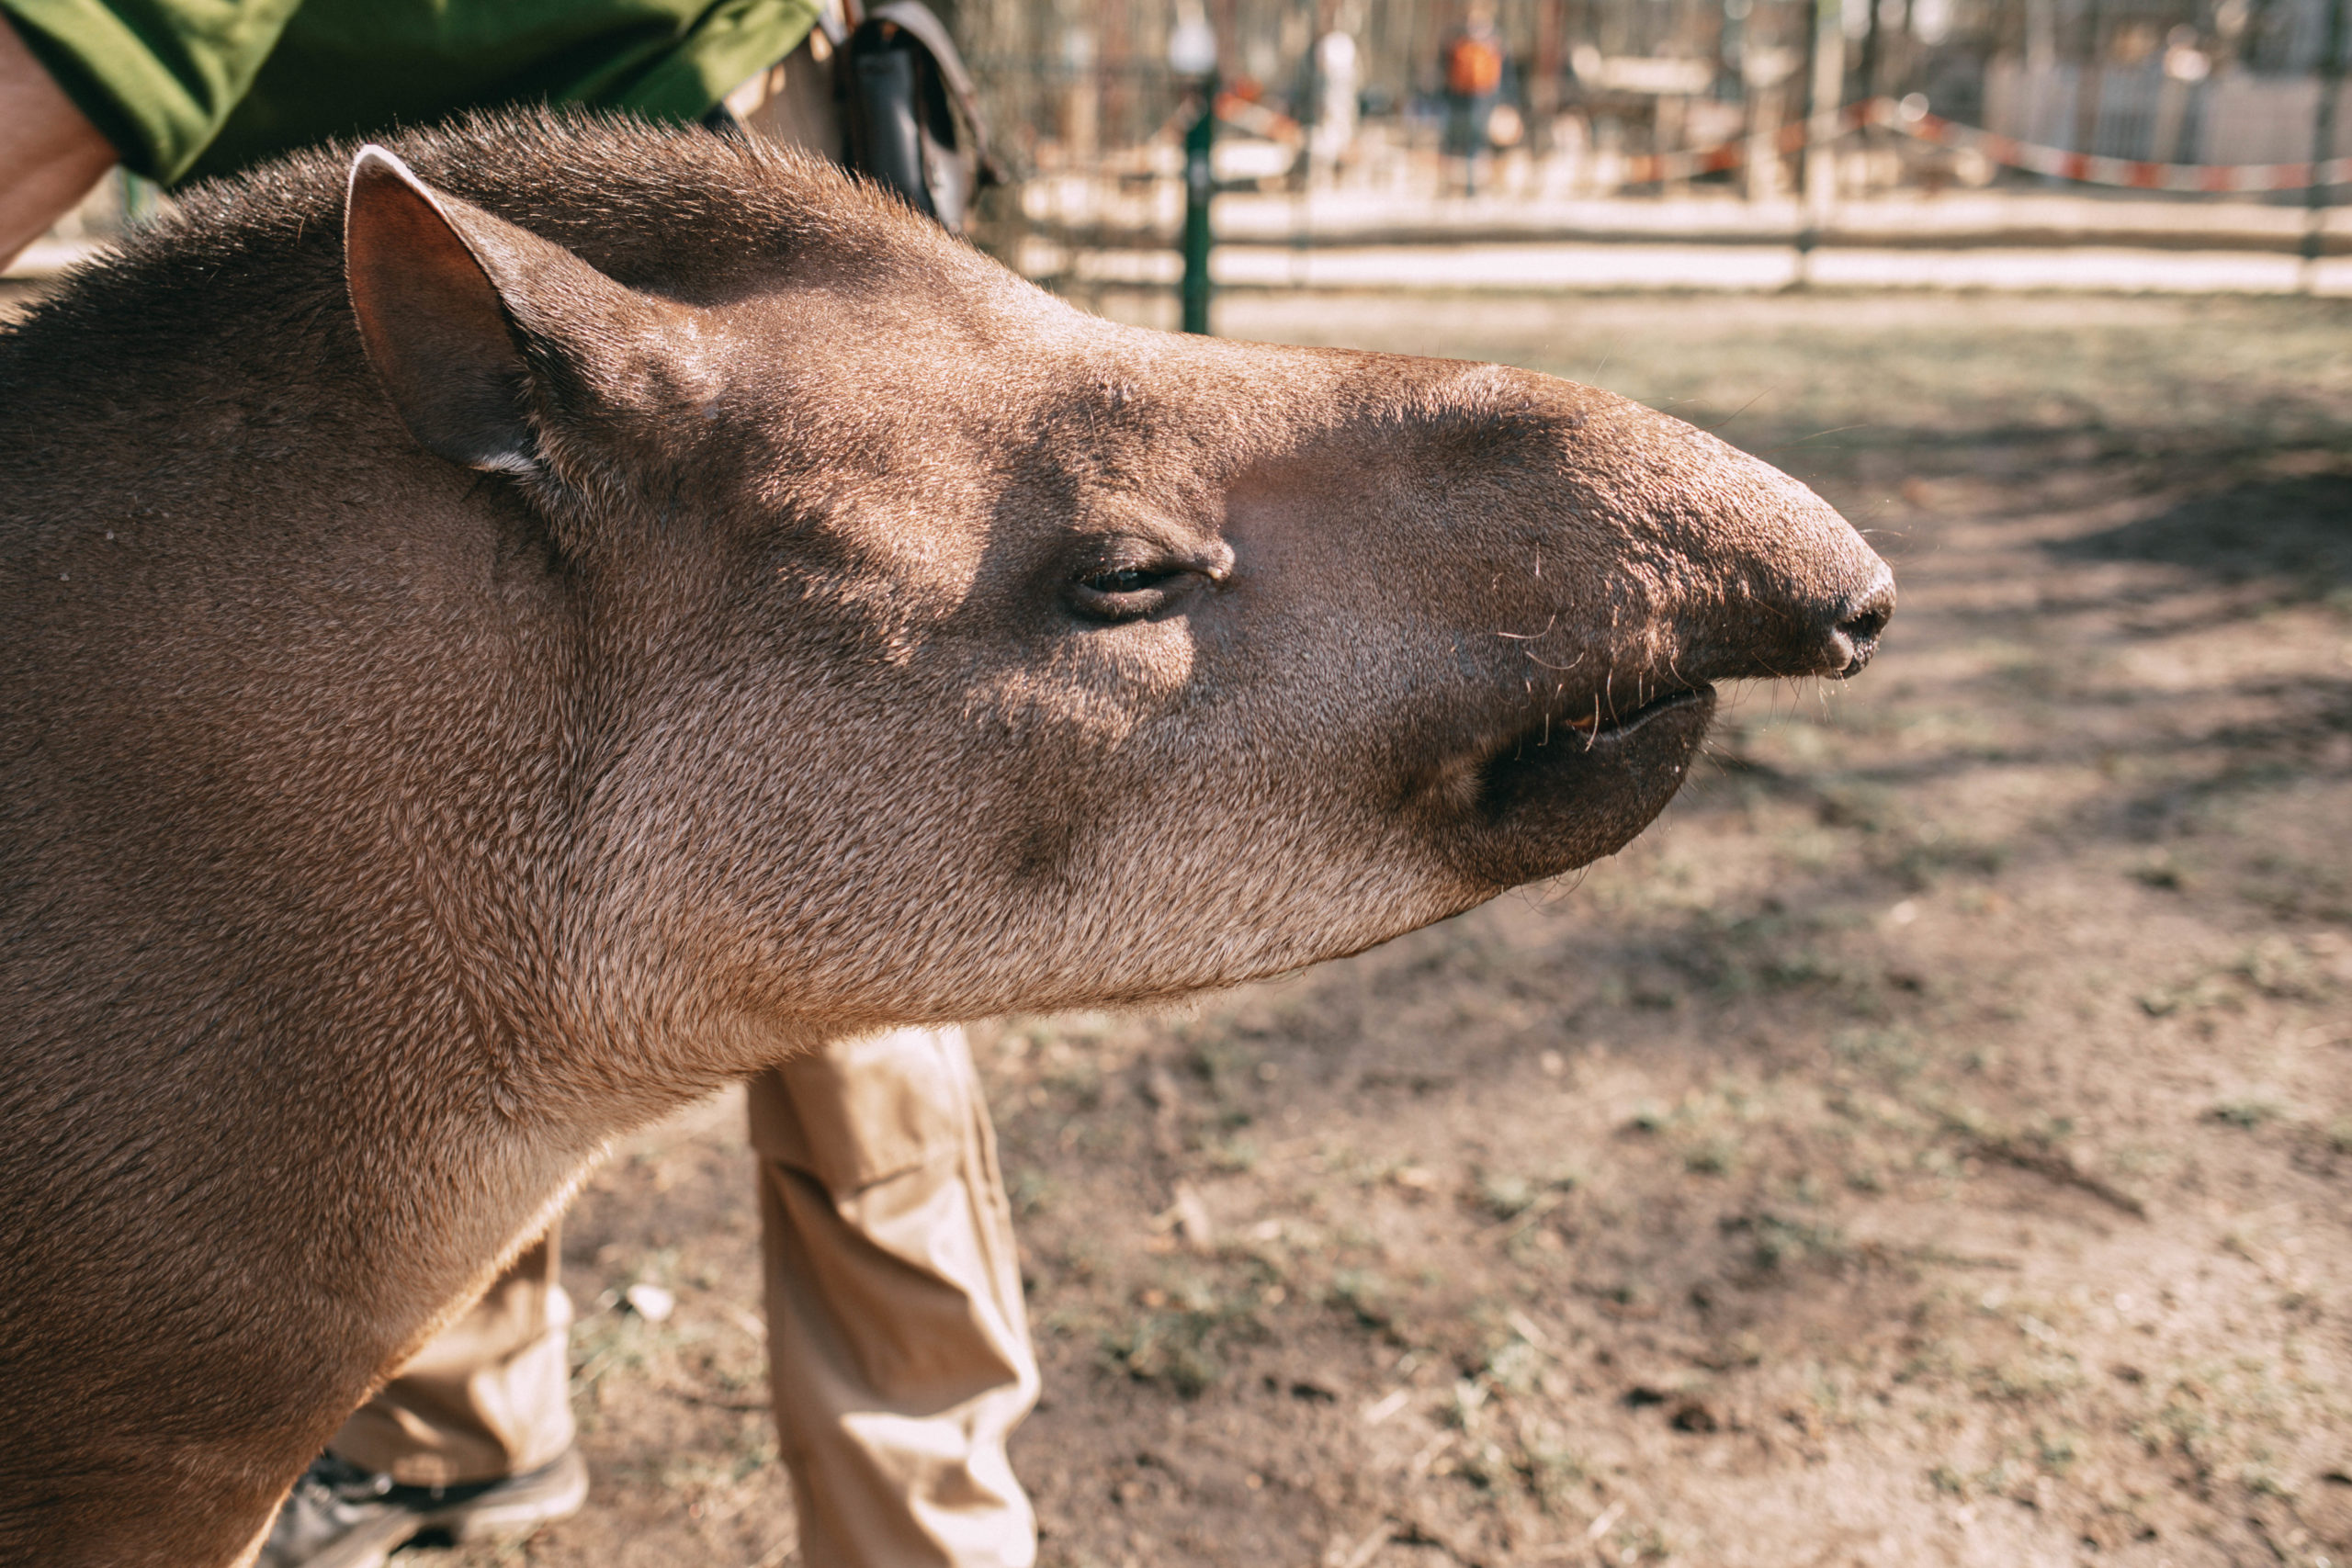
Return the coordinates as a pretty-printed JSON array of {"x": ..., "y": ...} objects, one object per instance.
[{"x": 899, "y": 1351}]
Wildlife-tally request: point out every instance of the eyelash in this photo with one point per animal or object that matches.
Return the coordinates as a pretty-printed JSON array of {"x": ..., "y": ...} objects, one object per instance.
[{"x": 1126, "y": 580}]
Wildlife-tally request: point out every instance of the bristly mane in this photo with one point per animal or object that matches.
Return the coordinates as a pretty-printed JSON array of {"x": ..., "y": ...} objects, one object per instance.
[{"x": 251, "y": 267}]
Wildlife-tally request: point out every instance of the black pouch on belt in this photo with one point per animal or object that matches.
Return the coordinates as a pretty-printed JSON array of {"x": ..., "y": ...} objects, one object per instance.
[{"x": 909, "y": 118}]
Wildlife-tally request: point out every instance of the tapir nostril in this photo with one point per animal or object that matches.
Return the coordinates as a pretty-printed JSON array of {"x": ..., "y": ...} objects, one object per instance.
[
  {"x": 1867, "y": 624},
  {"x": 1865, "y": 617}
]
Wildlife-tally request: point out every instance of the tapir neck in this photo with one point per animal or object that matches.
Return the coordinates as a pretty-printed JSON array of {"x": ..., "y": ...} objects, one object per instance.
[{"x": 290, "y": 743}]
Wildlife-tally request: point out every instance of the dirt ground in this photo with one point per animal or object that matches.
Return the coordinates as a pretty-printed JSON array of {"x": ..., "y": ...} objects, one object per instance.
[{"x": 1929, "y": 1144}]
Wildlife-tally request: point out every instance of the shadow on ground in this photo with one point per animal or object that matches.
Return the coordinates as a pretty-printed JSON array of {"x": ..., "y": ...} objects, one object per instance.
[{"x": 2295, "y": 531}]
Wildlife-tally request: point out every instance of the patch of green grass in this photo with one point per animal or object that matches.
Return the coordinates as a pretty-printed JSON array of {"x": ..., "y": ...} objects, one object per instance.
[
  {"x": 1078, "y": 1083},
  {"x": 2057, "y": 1451},
  {"x": 1504, "y": 1195},
  {"x": 1176, "y": 1349},
  {"x": 1366, "y": 1295},
  {"x": 1031, "y": 1190},
  {"x": 1778, "y": 1243},
  {"x": 2282, "y": 969},
  {"x": 1227, "y": 1066},
  {"x": 2264, "y": 1481},
  {"x": 1921, "y": 861},
  {"x": 1712, "y": 1156},
  {"x": 1888, "y": 1054},
  {"x": 2027, "y": 1378},
  {"x": 1233, "y": 1155},
  {"x": 1552, "y": 1471},
  {"x": 2247, "y": 1113},
  {"x": 2195, "y": 995},
  {"x": 1180, "y": 1336}
]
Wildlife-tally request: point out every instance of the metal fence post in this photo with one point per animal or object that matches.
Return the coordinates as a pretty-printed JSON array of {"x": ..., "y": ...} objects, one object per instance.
[{"x": 1200, "y": 185}]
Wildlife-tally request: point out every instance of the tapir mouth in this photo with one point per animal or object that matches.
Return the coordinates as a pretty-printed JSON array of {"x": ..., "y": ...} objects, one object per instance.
[
  {"x": 1598, "y": 728},
  {"x": 1562, "y": 792},
  {"x": 1574, "y": 742}
]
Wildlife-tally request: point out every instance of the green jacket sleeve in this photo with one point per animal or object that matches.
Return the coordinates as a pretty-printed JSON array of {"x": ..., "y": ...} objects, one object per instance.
[
  {"x": 157, "y": 77},
  {"x": 354, "y": 68}
]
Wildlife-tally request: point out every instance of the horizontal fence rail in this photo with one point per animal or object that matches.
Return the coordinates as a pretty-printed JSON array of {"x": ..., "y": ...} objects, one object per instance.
[{"x": 2090, "y": 168}]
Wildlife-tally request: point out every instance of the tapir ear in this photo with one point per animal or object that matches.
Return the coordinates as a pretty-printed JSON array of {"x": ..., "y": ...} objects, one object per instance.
[{"x": 460, "y": 311}]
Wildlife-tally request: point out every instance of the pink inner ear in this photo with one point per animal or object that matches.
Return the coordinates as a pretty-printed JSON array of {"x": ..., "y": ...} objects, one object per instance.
[{"x": 432, "y": 320}]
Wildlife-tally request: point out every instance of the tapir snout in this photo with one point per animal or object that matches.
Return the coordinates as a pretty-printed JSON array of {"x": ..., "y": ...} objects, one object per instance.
[
  {"x": 1555, "y": 578},
  {"x": 1717, "y": 567}
]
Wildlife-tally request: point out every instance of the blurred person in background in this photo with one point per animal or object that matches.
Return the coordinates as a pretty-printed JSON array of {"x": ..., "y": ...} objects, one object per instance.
[
  {"x": 1337, "y": 81},
  {"x": 900, "y": 1360},
  {"x": 1472, "y": 60}
]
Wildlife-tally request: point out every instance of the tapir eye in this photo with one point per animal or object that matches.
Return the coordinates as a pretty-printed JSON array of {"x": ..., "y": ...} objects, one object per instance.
[
  {"x": 1125, "y": 592},
  {"x": 1127, "y": 580},
  {"x": 1133, "y": 578}
]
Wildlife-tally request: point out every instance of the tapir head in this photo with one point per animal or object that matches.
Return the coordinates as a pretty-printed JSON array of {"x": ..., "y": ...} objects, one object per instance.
[{"x": 946, "y": 650}]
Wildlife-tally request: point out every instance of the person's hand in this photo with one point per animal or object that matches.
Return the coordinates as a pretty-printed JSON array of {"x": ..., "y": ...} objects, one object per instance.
[{"x": 50, "y": 153}]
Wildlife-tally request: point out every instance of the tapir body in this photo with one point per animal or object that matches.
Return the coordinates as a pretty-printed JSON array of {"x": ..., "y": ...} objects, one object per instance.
[{"x": 507, "y": 634}]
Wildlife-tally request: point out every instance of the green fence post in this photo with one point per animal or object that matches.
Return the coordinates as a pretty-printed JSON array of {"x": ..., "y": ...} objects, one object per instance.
[
  {"x": 1200, "y": 185},
  {"x": 2331, "y": 89}
]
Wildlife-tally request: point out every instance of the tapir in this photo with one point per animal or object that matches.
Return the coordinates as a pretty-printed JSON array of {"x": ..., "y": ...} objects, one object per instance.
[{"x": 510, "y": 630}]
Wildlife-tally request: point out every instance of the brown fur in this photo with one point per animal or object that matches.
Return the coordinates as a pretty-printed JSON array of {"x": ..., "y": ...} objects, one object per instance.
[{"x": 379, "y": 836}]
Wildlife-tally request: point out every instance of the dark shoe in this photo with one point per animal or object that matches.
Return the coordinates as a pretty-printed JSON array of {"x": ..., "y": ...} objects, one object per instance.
[{"x": 343, "y": 1516}]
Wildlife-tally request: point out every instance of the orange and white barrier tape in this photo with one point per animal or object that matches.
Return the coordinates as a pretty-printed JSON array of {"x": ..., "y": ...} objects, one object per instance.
[{"x": 2090, "y": 168}]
